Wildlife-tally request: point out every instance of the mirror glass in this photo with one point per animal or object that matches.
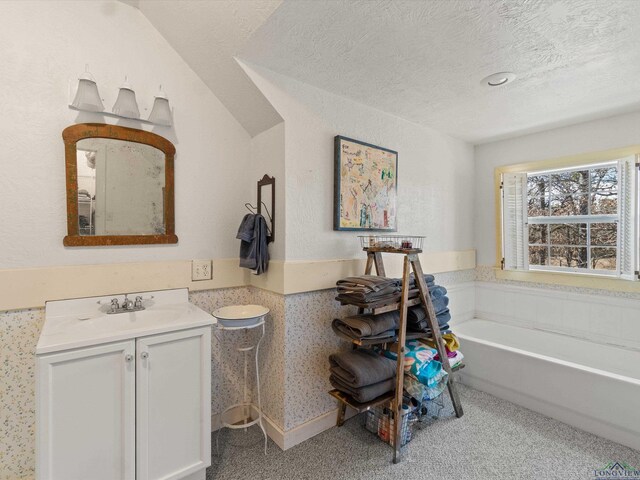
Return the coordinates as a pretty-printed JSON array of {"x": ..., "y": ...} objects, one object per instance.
[{"x": 121, "y": 188}]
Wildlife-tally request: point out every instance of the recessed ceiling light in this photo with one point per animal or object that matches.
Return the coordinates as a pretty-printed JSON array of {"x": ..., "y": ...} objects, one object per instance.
[{"x": 498, "y": 79}]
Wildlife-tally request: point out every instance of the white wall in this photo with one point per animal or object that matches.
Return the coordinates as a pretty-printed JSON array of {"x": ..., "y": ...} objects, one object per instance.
[
  {"x": 39, "y": 57},
  {"x": 267, "y": 157},
  {"x": 435, "y": 171},
  {"x": 598, "y": 135}
]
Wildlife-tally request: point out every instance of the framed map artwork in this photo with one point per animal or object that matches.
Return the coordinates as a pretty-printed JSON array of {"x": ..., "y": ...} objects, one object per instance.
[{"x": 365, "y": 186}]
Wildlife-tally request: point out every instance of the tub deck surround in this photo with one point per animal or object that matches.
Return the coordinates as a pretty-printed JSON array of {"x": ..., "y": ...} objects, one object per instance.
[
  {"x": 81, "y": 322},
  {"x": 598, "y": 316},
  {"x": 594, "y": 387}
]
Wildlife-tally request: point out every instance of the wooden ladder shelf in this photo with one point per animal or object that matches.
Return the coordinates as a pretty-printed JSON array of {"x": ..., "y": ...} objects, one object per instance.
[{"x": 420, "y": 296}]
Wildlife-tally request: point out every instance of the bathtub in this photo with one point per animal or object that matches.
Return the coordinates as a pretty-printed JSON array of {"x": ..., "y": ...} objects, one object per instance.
[{"x": 594, "y": 387}]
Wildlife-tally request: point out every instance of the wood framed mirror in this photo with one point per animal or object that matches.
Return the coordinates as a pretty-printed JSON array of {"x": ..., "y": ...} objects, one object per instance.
[{"x": 119, "y": 186}]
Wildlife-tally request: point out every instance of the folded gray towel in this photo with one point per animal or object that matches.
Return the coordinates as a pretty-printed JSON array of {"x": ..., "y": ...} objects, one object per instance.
[
  {"x": 417, "y": 313},
  {"x": 358, "y": 368},
  {"x": 347, "y": 334},
  {"x": 365, "y": 283},
  {"x": 364, "y": 394},
  {"x": 368, "y": 325},
  {"x": 371, "y": 298},
  {"x": 437, "y": 291}
]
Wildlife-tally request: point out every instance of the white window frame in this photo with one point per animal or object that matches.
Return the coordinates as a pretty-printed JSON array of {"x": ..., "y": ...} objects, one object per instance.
[
  {"x": 587, "y": 219},
  {"x": 628, "y": 247}
]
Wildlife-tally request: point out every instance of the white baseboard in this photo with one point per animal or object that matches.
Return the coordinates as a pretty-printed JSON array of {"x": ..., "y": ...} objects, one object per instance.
[
  {"x": 313, "y": 427},
  {"x": 290, "y": 438},
  {"x": 236, "y": 415}
]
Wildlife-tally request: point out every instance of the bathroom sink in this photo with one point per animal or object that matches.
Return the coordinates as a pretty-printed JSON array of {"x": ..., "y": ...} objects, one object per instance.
[
  {"x": 240, "y": 315},
  {"x": 81, "y": 322},
  {"x": 158, "y": 315}
]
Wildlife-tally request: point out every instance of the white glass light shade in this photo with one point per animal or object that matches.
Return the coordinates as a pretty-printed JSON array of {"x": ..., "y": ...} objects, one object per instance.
[
  {"x": 126, "y": 105},
  {"x": 87, "y": 96},
  {"x": 161, "y": 112}
]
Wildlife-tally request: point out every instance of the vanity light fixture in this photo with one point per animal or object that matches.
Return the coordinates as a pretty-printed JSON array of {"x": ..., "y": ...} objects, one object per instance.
[
  {"x": 498, "y": 79},
  {"x": 126, "y": 105},
  {"x": 161, "y": 111},
  {"x": 87, "y": 96}
]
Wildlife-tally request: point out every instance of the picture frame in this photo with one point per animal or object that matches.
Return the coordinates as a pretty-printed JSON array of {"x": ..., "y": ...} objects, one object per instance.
[{"x": 365, "y": 186}]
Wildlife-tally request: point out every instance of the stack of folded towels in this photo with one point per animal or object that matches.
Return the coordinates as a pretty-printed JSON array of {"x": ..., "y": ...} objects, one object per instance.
[
  {"x": 417, "y": 316},
  {"x": 367, "y": 289},
  {"x": 384, "y": 326},
  {"x": 362, "y": 374},
  {"x": 367, "y": 327}
]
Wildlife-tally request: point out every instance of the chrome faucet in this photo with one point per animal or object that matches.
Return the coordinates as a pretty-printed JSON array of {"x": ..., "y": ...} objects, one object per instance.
[
  {"x": 127, "y": 304},
  {"x": 114, "y": 305}
]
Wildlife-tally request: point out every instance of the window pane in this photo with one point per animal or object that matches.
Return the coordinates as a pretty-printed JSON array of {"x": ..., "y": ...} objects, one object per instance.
[
  {"x": 603, "y": 258},
  {"x": 570, "y": 205},
  {"x": 569, "y": 257},
  {"x": 538, "y": 234},
  {"x": 568, "y": 183},
  {"x": 604, "y": 180},
  {"x": 568, "y": 233},
  {"x": 537, "y": 185},
  {"x": 538, "y": 256},
  {"x": 604, "y": 234},
  {"x": 606, "y": 203},
  {"x": 538, "y": 207}
]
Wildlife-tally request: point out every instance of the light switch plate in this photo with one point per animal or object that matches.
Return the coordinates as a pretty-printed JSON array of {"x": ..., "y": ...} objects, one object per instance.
[{"x": 200, "y": 270}]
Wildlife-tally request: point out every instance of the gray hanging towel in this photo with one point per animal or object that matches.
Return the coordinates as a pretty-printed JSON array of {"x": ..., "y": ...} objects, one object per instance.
[{"x": 252, "y": 233}]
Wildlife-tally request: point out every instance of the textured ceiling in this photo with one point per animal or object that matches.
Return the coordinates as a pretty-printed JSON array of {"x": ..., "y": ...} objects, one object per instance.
[
  {"x": 208, "y": 34},
  {"x": 423, "y": 60}
]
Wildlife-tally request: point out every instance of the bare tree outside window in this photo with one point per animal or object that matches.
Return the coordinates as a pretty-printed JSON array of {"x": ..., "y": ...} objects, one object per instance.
[{"x": 581, "y": 242}]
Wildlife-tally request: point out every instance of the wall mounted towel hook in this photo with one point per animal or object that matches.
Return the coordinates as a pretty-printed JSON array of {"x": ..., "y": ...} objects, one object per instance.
[{"x": 264, "y": 181}]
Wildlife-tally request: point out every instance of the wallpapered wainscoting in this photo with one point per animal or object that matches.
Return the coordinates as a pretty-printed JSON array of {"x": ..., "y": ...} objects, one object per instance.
[
  {"x": 19, "y": 332},
  {"x": 294, "y": 372},
  {"x": 310, "y": 340}
]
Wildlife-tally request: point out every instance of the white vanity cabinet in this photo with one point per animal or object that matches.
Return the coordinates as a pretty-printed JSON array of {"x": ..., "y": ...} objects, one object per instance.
[
  {"x": 135, "y": 409},
  {"x": 86, "y": 413},
  {"x": 173, "y": 400}
]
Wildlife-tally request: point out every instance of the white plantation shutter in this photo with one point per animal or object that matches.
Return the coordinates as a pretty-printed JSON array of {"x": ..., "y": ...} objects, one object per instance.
[
  {"x": 514, "y": 221},
  {"x": 628, "y": 227}
]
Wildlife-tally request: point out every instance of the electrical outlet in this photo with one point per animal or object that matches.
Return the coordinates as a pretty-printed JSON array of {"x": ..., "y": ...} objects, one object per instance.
[{"x": 200, "y": 270}]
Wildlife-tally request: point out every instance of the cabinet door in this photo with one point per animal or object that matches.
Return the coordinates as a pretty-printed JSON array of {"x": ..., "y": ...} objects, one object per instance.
[
  {"x": 173, "y": 404},
  {"x": 85, "y": 416}
]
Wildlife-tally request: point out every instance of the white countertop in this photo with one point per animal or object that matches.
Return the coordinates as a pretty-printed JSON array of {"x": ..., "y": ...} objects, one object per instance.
[{"x": 84, "y": 322}]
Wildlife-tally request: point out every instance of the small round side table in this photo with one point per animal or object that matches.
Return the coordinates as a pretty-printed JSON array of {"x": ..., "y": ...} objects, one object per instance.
[{"x": 235, "y": 318}]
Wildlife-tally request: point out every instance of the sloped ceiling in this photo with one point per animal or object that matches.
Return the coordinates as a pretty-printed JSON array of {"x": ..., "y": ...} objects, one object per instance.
[
  {"x": 208, "y": 34},
  {"x": 423, "y": 60}
]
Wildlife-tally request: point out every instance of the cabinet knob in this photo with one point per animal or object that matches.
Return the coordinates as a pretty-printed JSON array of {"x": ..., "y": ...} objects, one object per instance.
[
  {"x": 144, "y": 355},
  {"x": 128, "y": 357}
]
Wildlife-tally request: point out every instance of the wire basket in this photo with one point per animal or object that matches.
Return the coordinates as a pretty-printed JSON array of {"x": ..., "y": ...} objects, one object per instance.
[
  {"x": 438, "y": 408},
  {"x": 381, "y": 422},
  {"x": 400, "y": 242}
]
